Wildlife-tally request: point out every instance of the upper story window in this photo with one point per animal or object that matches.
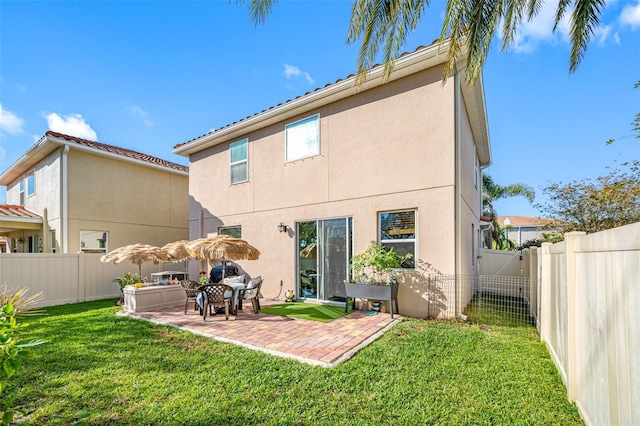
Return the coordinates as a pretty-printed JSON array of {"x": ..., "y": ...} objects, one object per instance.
[
  {"x": 303, "y": 138},
  {"x": 94, "y": 241},
  {"x": 22, "y": 192},
  {"x": 475, "y": 167},
  {"x": 238, "y": 161},
  {"x": 31, "y": 183},
  {"x": 232, "y": 231},
  {"x": 398, "y": 232}
]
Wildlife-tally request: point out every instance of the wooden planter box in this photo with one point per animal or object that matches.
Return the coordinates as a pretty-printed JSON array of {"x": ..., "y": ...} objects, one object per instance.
[{"x": 372, "y": 292}]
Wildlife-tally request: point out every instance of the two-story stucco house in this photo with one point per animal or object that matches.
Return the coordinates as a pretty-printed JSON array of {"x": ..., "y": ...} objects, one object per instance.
[
  {"x": 68, "y": 194},
  {"x": 315, "y": 179}
]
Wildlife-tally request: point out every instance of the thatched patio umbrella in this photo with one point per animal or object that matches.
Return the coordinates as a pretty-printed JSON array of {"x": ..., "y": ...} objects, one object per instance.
[
  {"x": 310, "y": 251},
  {"x": 178, "y": 251},
  {"x": 222, "y": 247},
  {"x": 137, "y": 254}
]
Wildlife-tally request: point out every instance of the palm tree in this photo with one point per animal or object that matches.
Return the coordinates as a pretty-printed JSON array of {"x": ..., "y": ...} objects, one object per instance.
[
  {"x": 492, "y": 192},
  {"x": 502, "y": 241},
  {"x": 388, "y": 23}
]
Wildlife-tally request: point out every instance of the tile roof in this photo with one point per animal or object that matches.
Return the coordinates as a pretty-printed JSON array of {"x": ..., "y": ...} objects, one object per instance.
[
  {"x": 120, "y": 151},
  {"x": 296, "y": 98},
  {"x": 524, "y": 221},
  {"x": 16, "y": 211}
]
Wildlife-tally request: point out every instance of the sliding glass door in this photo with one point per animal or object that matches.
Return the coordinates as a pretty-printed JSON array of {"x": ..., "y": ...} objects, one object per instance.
[{"x": 324, "y": 252}]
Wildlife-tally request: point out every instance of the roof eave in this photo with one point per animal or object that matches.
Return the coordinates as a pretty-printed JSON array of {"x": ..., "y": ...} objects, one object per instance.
[
  {"x": 115, "y": 156},
  {"x": 28, "y": 160},
  {"x": 49, "y": 143},
  {"x": 411, "y": 63}
]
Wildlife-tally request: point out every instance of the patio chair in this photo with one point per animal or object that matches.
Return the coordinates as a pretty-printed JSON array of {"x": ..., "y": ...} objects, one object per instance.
[
  {"x": 215, "y": 295},
  {"x": 191, "y": 288},
  {"x": 252, "y": 291}
]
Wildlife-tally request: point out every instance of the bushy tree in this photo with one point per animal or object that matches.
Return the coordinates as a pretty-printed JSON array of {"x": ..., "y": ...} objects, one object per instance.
[{"x": 594, "y": 205}]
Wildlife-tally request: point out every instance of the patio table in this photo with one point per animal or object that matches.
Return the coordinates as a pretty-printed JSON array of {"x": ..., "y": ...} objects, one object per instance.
[{"x": 236, "y": 287}]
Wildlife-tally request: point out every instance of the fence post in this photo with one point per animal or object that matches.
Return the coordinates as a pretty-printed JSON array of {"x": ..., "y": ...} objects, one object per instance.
[
  {"x": 574, "y": 335},
  {"x": 533, "y": 284},
  {"x": 544, "y": 269},
  {"x": 80, "y": 289}
]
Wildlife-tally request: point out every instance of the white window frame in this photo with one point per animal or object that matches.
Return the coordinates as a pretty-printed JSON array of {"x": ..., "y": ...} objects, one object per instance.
[
  {"x": 413, "y": 240},
  {"x": 31, "y": 189},
  {"x": 475, "y": 167},
  {"x": 235, "y": 163},
  {"x": 97, "y": 249},
  {"x": 224, "y": 228},
  {"x": 21, "y": 186},
  {"x": 289, "y": 143}
]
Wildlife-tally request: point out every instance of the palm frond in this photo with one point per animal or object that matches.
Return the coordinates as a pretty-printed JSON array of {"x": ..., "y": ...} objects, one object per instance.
[
  {"x": 513, "y": 13},
  {"x": 259, "y": 10},
  {"x": 484, "y": 20},
  {"x": 560, "y": 11},
  {"x": 585, "y": 18},
  {"x": 385, "y": 23},
  {"x": 455, "y": 29}
]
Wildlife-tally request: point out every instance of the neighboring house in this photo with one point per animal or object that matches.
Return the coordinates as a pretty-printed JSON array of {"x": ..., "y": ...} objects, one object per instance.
[
  {"x": 523, "y": 228},
  {"x": 315, "y": 179},
  {"x": 68, "y": 194}
]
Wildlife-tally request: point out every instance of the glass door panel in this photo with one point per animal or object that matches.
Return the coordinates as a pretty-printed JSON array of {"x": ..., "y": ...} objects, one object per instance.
[
  {"x": 307, "y": 233},
  {"x": 324, "y": 252}
]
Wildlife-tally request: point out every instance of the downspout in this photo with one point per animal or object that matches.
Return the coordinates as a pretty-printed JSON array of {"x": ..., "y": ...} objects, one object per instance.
[
  {"x": 46, "y": 234},
  {"x": 64, "y": 200},
  {"x": 201, "y": 224},
  {"x": 457, "y": 206}
]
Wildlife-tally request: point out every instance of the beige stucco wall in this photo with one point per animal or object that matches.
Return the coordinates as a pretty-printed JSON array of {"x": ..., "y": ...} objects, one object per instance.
[
  {"x": 131, "y": 202},
  {"x": 391, "y": 148},
  {"x": 46, "y": 196}
]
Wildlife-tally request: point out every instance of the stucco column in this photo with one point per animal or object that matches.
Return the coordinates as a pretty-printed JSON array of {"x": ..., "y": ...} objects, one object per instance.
[{"x": 46, "y": 232}]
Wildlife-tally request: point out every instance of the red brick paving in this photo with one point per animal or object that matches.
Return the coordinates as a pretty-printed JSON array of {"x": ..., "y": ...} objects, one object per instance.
[{"x": 313, "y": 342}]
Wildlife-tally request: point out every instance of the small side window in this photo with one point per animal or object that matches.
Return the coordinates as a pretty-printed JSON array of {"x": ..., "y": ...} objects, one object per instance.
[
  {"x": 238, "y": 162},
  {"x": 232, "y": 231}
]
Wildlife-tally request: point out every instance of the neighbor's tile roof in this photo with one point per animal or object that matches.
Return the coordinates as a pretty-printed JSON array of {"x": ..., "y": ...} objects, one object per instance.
[
  {"x": 297, "y": 97},
  {"x": 16, "y": 211},
  {"x": 524, "y": 221},
  {"x": 120, "y": 151}
]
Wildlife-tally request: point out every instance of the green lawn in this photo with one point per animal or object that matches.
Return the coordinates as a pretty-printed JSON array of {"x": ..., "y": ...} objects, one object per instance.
[
  {"x": 103, "y": 369},
  {"x": 308, "y": 311}
]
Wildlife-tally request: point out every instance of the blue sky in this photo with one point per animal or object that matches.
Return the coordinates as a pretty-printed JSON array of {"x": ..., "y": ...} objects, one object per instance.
[{"x": 146, "y": 75}]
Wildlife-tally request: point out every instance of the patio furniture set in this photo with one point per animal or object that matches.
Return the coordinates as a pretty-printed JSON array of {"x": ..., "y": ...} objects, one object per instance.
[{"x": 226, "y": 295}]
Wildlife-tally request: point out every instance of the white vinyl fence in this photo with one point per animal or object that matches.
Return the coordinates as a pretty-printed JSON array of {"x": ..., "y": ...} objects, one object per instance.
[
  {"x": 69, "y": 278},
  {"x": 586, "y": 303}
]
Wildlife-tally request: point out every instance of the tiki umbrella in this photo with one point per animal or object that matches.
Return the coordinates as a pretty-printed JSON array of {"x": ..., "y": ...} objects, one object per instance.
[
  {"x": 222, "y": 247},
  {"x": 137, "y": 254},
  {"x": 178, "y": 251},
  {"x": 310, "y": 251}
]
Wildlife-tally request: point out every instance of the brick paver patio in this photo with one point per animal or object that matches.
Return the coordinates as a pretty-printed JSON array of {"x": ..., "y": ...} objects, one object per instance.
[{"x": 313, "y": 342}]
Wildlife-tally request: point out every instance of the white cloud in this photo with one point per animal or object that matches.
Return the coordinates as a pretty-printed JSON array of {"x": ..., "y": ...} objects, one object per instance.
[
  {"x": 137, "y": 111},
  {"x": 540, "y": 29},
  {"x": 602, "y": 33},
  {"x": 631, "y": 15},
  {"x": 9, "y": 122},
  {"x": 616, "y": 38},
  {"x": 72, "y": 125},
  {"x": 293, "y": 71}
]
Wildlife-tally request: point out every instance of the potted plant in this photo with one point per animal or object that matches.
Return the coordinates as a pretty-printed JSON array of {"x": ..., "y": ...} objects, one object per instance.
[
  {"x": 374, "y": 273},
  {"x": 125, "y": 280}
]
